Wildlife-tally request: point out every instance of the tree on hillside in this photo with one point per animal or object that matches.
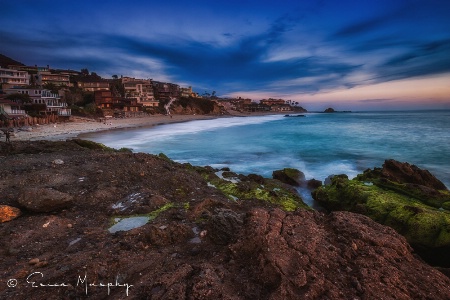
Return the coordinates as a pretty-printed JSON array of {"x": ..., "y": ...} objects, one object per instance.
[
  {"x": 115, "y": 77},
  {"x": 51, "y": 87},
  {"x": 95, "y": 76},
  {"x": 84, "y": 72},
  {"x": 24, "y": 98}
]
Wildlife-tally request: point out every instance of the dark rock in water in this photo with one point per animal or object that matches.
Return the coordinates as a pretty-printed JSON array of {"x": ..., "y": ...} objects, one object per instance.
[
  {"x": 294, "y": 116},
  {"x": 256, "y": 178},
  {"x": 290, "y": 176},
  {"x": 327, "y": 180},
  {"x": 44, "y": 199},
  {"x": 329, "y": 110},
  {"x": 404, "y": 173},
  {"x": 313, "y": 183},
  {"x": 419, "y": 212}
]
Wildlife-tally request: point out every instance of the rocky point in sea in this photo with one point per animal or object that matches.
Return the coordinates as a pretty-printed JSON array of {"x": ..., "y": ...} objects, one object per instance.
[
  {"x": 411, "y": 200},
  {"x": 209, "y": 234}
]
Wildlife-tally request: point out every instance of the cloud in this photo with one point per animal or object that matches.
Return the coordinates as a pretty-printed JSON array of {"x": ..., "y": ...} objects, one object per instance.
[
  {"x": 424, "y": 59},
  {"x": 376, "y": 100}
]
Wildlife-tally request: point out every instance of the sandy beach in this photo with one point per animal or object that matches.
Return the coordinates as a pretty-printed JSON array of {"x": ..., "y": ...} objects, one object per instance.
[{"x": 77, "y": 126}]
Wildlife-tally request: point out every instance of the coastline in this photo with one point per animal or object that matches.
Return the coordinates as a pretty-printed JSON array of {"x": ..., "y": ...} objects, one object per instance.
[{"x": 78, "y": 125}]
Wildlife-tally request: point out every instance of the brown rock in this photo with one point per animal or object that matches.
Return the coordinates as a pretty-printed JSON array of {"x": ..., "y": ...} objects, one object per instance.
[
  {"x": 406, "y": 173},
  {"x": 289, "y": 176},
  {"x": 8, "y": 213},
  {"x": 44, "y": 199},
  {"x": 308, "y": 255}
]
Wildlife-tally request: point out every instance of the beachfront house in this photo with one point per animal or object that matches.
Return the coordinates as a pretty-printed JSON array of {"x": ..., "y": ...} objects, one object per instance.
[
  {"x": 10, "y": 109},
  {"x": 164, "y": 91},
  {"x": 89, "y": 84},
  {"x": 10, "y": 78},
  {"x": 57, "y": 79},
  {"x": 112, "y": 105},
  {"x": 141, "y": 90},
  {"x": 42, "y": 100}
]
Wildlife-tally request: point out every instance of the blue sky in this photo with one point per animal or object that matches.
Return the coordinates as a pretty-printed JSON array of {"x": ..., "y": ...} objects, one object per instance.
[{"x": 345, "y": 54}]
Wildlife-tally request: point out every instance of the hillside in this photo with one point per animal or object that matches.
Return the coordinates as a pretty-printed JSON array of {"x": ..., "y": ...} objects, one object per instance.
[{"x": 5, "y": 61}]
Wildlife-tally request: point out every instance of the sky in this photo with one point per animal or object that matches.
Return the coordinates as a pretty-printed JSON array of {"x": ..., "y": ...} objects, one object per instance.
[{"x": 349, "y": 55}]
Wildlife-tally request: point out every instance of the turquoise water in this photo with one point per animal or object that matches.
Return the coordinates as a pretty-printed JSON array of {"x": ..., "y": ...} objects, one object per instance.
[{"x": 318, "y": 144}]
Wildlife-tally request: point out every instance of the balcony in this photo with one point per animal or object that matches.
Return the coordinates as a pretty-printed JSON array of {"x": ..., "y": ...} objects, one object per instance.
[{"x": 65, "y": 112}]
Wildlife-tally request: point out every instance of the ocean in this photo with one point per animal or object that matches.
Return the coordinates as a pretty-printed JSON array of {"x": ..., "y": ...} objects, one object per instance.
[{"x": 319, "y": 144}]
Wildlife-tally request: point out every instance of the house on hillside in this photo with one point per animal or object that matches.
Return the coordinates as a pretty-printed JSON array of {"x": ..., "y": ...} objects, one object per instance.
[
  {"x": 43, "y": 100},
  {"x": 116, "y": 106},
  {"x": 141, "y": 90},
  {"x": 255, "y": 107},
  {"x": 271, "y": 101},
  {"x": 164, "y": 91},
  {"x": 88, "y": 84},
  {"x": 105, "y": 99},
  {"x": 47, "y": 77},
  {"x": 280, "y": 107},
  {"x": 10, "y": 109},
  {"x": 13, "y": 78}
]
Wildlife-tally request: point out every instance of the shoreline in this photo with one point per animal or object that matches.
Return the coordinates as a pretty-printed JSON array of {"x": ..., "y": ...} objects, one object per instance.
[{"x": 79, "y": 126}]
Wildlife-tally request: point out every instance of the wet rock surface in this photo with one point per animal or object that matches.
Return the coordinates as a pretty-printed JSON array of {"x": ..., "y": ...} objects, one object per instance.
[
  {"x": 199, "y": 243},
  {"x": 401, "y": 196},
  {"x": 290, "y": 176}
]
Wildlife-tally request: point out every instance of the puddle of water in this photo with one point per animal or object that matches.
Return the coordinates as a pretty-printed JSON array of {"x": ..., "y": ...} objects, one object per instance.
[
  {"x": 230, "y": 179},
  {"x": 128, "y": 224}
]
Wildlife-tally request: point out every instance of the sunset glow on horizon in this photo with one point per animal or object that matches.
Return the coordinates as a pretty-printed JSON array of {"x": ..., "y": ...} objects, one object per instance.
[{"x": 352, "y": 55}]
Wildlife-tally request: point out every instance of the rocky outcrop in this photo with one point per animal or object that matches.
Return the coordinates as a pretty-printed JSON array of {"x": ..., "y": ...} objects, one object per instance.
[
  {"x": 253, "y": 187},
  {"x": 290, "y": 176},
  {"x": 402, "y": 173},
  {"x": 38, "y": 199},
  {"x": 198, "y": 243},
  {"x": 416, "y": 210},
  {"x": 199, "y": 106},
  {"x": 329, "y": 110},
  {"x": 308, "y": 255}
]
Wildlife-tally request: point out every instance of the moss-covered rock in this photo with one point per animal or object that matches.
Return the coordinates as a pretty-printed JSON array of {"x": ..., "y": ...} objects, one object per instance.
[
  {"x": 290, "y": 176},
  {"x": 419, "y": 222},
  {"x": 92, "y": 145},
  {"x": 255, "y": 188},
  {"x": 419, "y": 213}
]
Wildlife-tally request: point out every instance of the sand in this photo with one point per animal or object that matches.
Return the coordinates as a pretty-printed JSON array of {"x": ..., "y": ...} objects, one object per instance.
[{"x": 77, "y": 126}]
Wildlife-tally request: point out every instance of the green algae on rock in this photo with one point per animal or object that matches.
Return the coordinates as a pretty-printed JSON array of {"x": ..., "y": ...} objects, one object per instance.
[
  {"x": 290, "y": 176},
  {"x": 419, "y": 213},
  {"x": 249, "y": 187}
]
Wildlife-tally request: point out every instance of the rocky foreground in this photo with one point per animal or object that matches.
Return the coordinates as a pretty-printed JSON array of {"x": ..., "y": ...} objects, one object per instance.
[{"x": 207, "y": 234}]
